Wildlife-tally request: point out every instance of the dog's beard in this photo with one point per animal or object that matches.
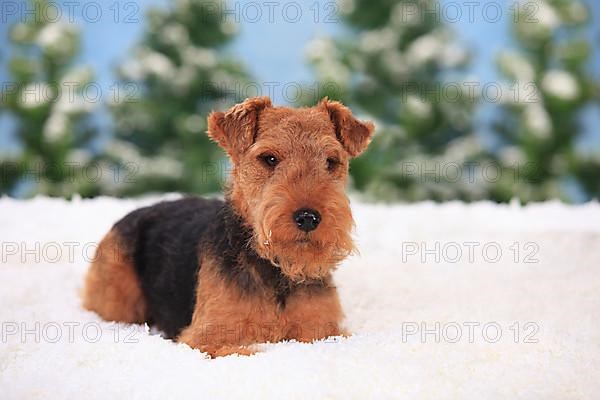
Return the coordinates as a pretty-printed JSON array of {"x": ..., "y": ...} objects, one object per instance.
[
  {"x": 303, "y": 256},
  {"x": 305, "y": 260}
]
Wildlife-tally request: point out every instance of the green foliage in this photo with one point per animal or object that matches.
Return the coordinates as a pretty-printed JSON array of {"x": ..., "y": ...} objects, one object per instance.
[
  {"x": 400, "y": 68},
  {"x": 180, "y": 74},
  {"x": 44, "y": 97},
  {"x": 405, "y": 72},
  {"x": 540, "y": 129}
]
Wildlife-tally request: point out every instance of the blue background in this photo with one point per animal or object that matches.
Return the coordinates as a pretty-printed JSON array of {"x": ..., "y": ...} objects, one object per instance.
[{"x": 275, "y": 51}]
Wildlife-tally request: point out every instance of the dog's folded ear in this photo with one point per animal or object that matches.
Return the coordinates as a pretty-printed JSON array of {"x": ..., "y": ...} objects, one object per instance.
[
  {"x": 235, "y": 130},
  {"x": 353, "y": 134}
]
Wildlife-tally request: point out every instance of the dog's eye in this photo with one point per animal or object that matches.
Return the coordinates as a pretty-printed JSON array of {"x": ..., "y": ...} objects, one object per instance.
[
  {"x": 332, "y": 164},
  {"x": 269, "y": 160}
]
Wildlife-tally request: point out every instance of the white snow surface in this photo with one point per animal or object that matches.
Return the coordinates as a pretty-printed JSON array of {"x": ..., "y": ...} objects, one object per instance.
[{"x": 50, "y": 347}]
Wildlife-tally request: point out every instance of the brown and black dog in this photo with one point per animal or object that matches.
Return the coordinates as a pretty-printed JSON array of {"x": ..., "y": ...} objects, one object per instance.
[{"x": 224, "y": 275}]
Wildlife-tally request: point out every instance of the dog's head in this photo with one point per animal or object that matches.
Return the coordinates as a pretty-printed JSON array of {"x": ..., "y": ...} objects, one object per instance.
[{"x": 290, "y": 168}]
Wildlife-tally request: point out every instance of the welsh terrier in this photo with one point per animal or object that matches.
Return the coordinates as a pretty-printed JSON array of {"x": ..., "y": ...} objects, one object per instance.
[{"x": 223, "y": 276}]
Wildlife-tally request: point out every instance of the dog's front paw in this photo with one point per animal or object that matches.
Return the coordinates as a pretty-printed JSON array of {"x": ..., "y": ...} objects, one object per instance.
[{"x": 222, "y": 351}]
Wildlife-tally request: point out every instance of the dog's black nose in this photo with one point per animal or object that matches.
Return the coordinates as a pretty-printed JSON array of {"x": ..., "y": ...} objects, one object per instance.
[{"x": 307, "y": 219}]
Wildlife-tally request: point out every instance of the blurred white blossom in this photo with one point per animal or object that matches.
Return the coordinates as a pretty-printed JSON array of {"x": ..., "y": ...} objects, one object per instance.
[
  {"x": 537, "y": 120},
  {"x": 561, "y": 84}
]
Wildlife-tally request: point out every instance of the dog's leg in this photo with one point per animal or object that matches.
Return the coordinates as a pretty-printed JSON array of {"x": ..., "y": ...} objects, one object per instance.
[
  {"x": 112, "y": 288},
  {"x": 227, "y": 321},
  {"x": 314, "y": 314}
]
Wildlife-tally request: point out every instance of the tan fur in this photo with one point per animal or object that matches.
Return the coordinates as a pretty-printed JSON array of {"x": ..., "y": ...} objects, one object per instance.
[
  {"x": 225, "y": 321},
  {"x": 303, "y": 139},
  {"x": 112, "y": 287}
]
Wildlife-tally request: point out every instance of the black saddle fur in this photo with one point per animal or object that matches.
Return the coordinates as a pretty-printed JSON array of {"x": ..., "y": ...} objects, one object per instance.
[{"x": 166, "y": 242}]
